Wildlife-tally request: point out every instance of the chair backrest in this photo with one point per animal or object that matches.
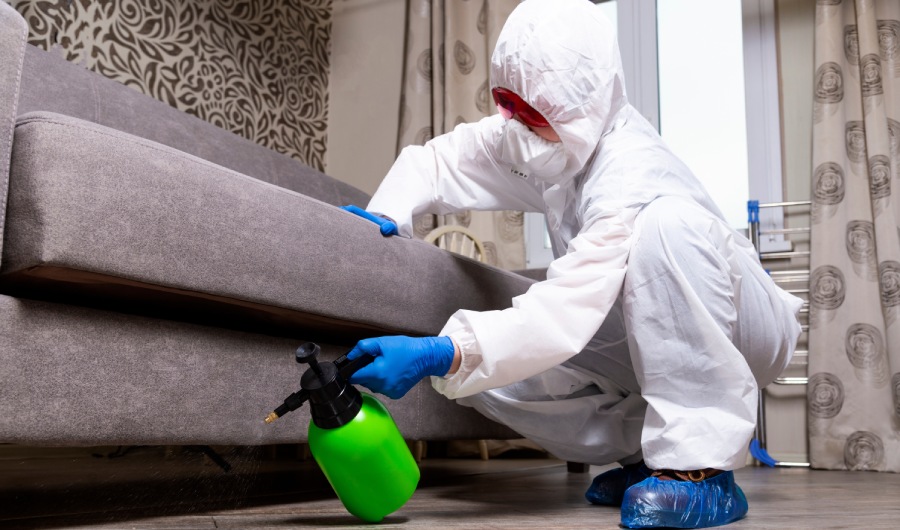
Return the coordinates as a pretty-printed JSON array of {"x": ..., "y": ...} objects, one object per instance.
[{"x": 457, "y": 239}]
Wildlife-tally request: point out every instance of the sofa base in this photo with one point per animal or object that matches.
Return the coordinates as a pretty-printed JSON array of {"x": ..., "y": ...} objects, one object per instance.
[{"x": 82, "y": 377}]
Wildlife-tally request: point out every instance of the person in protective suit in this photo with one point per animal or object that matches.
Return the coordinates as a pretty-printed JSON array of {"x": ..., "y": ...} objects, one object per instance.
[{"x": 656, "y": 326}]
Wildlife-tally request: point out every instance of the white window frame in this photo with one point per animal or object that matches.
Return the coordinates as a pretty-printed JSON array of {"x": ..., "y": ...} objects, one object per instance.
[
  {"x": 763, "y": 104},
  {"x": 538, "y": 253},
  {"x": 638, "y": 47}
]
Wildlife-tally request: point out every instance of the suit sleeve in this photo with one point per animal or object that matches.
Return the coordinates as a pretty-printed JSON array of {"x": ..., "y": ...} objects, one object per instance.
[
  {"x": 453, "y": 172},
  {"x": 551, "y": 322}
]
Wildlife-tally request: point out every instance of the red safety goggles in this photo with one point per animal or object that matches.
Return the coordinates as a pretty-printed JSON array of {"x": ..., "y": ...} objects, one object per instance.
[{"x": 510, "y": 104}]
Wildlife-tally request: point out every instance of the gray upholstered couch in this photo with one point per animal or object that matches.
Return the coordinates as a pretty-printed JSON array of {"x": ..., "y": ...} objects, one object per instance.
[{"x": 158, "y": 272}]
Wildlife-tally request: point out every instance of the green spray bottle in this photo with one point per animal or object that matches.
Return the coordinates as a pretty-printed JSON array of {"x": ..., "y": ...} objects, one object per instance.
[{"x": 353, "y": 437}]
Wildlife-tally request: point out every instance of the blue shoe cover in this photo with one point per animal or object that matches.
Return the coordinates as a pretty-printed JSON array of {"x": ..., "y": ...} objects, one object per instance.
[
  {"x": 608, "y": 488},
  {"x": 656, "y": 503}
]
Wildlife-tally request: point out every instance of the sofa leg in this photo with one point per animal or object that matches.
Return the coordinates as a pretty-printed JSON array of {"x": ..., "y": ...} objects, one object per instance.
[
  {"x": 577, "y": 467},
  {"x": 483, "y": 450},
  {"x": 419, "y": 450}
]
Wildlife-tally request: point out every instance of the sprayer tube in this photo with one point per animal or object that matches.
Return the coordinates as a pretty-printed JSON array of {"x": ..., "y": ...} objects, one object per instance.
[{"x": 293, "y": 402}]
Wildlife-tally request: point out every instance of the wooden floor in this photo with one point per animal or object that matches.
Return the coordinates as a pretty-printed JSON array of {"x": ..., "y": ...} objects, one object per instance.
[{"x": 145, "y": 490}]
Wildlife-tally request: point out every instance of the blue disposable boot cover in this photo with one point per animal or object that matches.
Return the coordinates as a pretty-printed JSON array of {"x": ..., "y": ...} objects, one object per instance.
[
  {"x": 656, "y": 503},
  {"x": 608, "y": 489}
]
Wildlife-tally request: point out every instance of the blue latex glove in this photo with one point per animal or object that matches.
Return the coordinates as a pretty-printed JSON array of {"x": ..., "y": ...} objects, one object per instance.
[
  {"x": 401, "y": 362},
  {"x": 387, "y": 227}
]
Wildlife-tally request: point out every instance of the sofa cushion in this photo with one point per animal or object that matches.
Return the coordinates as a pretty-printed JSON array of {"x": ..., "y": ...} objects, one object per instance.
[
  {"x": 75, "y": 376},
  {"x": 100, "y": 217},
  {"x": 52, "y": 84}
]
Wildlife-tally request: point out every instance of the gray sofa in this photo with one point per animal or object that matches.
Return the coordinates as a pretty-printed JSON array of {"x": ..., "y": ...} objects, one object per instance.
[{"x": 158, "y": 272}]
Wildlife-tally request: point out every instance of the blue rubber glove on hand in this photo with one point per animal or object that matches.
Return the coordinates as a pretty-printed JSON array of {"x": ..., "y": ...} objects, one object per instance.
[
  {"x": 401, "y": 362},
  {"x": 387, "y": 227}
]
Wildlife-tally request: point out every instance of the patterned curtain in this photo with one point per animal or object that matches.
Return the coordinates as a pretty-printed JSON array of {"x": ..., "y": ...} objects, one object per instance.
[
  {"x": 256, "y": 68},
  {"x": 445, "y": 83},
  {"x": 854, "y": 362}
]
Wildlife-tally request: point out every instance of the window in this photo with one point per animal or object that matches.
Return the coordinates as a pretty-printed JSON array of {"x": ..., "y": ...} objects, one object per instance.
[{"x": 701, "y": 96}]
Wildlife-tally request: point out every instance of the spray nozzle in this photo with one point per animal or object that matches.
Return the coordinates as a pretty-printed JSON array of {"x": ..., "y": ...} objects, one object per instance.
[{"x": 334, "y": 400}]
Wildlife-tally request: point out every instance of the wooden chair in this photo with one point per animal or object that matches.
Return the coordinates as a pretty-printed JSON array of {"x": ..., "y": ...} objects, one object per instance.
[{"x": 459, "y": 240}]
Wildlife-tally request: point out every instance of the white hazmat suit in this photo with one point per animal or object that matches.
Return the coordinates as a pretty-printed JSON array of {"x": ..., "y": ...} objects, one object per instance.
[{"x": 656, "y": 325}]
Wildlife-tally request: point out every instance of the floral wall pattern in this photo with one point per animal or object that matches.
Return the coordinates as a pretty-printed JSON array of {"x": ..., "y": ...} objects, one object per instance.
[{"x": 257, "y": 68}]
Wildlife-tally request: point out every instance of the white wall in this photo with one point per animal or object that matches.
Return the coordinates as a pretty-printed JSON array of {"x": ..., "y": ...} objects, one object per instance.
[
  {"x": 364, "y": 90},
  {"x": 796, "y": 28}
]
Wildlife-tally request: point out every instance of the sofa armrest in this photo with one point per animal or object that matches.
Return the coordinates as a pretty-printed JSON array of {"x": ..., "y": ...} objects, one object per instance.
[{"x": 13, "y": 34}]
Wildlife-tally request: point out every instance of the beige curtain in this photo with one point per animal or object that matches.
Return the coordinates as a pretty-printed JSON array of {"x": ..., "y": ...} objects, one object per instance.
[
  {"x": 445, "y": 83},
  {"x": 854, "y": 366}
]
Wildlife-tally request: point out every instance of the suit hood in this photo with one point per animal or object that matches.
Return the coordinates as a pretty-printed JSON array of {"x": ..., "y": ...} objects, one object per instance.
[{"x": 562, "y": 58}]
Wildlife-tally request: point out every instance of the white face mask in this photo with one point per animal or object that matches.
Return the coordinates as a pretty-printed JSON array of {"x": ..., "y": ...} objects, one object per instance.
[{"x": 529, "y": 155}]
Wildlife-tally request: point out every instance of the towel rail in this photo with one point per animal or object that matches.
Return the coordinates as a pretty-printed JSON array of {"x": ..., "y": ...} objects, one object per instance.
[{"x": 785, "y": 278}]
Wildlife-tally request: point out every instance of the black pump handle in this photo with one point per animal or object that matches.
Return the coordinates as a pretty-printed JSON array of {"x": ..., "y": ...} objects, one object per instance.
[{"x": 346, "y": 367}]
